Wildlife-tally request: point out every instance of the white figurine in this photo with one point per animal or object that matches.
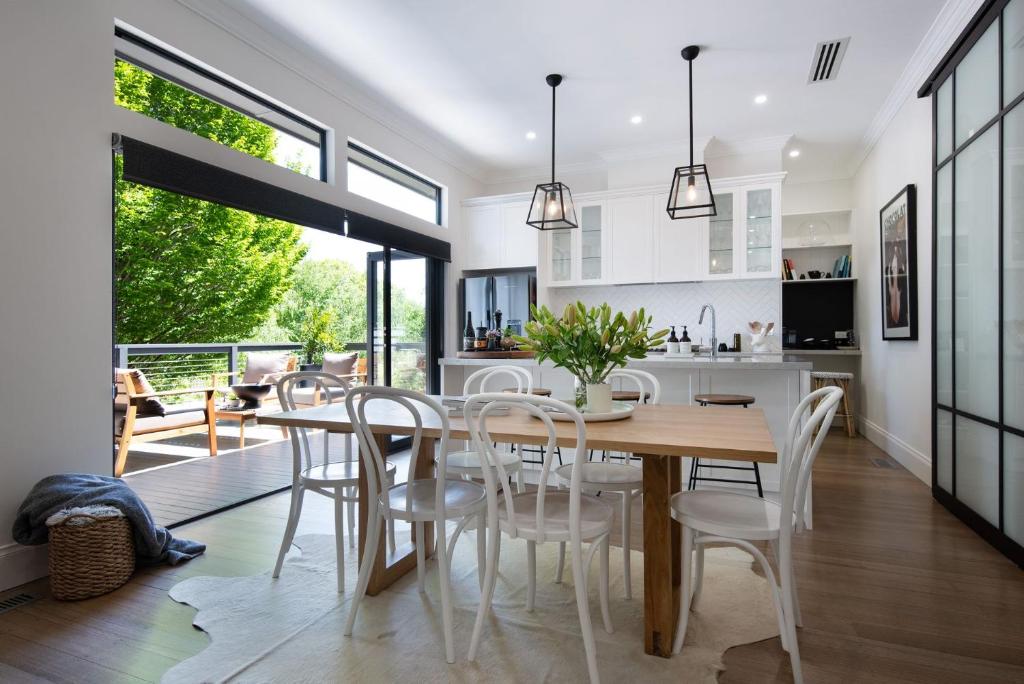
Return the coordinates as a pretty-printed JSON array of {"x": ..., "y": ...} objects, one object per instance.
[{"x": 759, "y": 334}]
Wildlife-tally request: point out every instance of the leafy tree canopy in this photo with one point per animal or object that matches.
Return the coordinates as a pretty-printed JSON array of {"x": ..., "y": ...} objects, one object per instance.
[{"x": 188, "y": 270}]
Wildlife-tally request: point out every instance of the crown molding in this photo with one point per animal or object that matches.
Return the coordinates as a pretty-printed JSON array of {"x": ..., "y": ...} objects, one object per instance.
[
  {"x": 949, "y": 23},
  {"x": 345, "y": 91}
]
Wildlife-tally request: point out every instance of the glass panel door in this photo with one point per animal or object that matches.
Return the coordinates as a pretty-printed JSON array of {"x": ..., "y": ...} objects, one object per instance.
[
  {"x": 408, "y": 343},
  {"x": 720, "y": 236},
  {"x": 759, "y": 231},
  {"x": 561, "y": 256},
  {"x": 590, "y": 238}
]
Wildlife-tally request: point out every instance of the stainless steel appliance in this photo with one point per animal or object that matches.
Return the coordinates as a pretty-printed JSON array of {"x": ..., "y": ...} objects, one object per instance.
[{"x": 511, "y": 292}]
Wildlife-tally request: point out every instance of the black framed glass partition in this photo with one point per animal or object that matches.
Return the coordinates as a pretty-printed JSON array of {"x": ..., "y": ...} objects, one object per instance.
[{"x": 978, "y": 277}]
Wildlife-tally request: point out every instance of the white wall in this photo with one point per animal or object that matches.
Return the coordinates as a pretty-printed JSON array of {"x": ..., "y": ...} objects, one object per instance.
[
  {"x": 55, "y": 190},
  {"x": 894, "y": 397}
]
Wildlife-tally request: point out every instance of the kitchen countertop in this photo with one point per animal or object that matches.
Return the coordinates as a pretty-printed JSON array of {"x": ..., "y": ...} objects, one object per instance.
[
  {"x": 842, "y": 351},
  {"x": 656, "y": 361}
]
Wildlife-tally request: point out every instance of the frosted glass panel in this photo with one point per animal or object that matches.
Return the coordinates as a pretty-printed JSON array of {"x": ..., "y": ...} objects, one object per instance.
[
  {"x": 720, "y": 236},
  {"x": 1013, "y": 487},
  {"x": 561, "y": 255},
  {"x": 1013, "y": 267},
  {"x": 944, "y": 120},
  {"x": 976, "y": 345},
  {"x": 1013, "y": 50},
  {"x": 977, "y": 85},
  {"x": 944, "y": 453},
  {"x": 590, "y": 234},
  {"x": 977, "y": 468},
  {"x": 944, "y": 290}
]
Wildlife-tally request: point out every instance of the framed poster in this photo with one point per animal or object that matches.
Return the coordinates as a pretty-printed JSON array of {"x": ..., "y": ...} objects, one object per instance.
[{"x": 898, "y": 234}]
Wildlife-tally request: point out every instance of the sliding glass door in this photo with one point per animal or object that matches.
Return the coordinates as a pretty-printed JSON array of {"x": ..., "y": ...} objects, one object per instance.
[{"x": 978, "y": 293}]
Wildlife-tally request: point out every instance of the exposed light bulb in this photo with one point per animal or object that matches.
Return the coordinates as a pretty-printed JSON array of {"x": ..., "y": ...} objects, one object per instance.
[
  {"x": 551, "y": 208},
  {"x": 691, "y": 190}
]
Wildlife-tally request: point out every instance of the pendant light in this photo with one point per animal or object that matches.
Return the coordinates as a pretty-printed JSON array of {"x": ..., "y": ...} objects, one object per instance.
[
  {"x": 690, "y": 196},
  {"x": 552, "y": 206}
]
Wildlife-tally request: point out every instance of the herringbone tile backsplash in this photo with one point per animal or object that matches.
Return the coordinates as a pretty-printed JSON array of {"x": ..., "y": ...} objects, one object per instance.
[{"x": 736, "y": 303}]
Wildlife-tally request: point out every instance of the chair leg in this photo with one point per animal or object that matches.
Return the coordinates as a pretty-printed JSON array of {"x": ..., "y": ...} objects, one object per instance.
[
  {"x": 627, "y": 510},
  {"x": 339, "y": 537},
  {"x": 698, "y": 575},
  {"x": 694, "y": 465},
  {"x": 583, "y": 608},
  {"x": 481, "y": 546},
  {"x": 531, "y": 574},
  {"x": 561, "y": 563},
  {"x": 351, "y": 512},
  {"x": 421, "y": 556},
  {"x": 520, "y": 481},
  {"x": 602, "y": 585},
  {"x": 441, "y": 551},
  {"x": 490, "y": 580},
  {"x": 788, "y": 601},
  {"x": 757, "y": 480},
  {"x": 373, "y": 523},
  {"x": 289, "y": 530},
  {"x": 684, "y": 590}
]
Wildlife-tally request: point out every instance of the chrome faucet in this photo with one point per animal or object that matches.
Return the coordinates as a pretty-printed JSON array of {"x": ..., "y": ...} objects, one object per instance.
[{"x": 714, "y": 338}]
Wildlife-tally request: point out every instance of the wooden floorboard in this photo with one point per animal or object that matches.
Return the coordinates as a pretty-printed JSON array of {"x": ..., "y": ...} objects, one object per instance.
[{"x": 893, "y": 589}]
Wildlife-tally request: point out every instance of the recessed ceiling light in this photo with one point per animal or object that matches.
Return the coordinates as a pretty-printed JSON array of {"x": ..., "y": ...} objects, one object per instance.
[
  {"x": 794, "y": 153},
  {"x": 636, "y": 119},
  {"x": 530, "y": 135},
  {"x": 760, "y": 99}
]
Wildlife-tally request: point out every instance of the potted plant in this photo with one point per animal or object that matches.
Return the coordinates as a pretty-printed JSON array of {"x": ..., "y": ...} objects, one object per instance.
[
  {"x": 590, "y": 343},
  {"x": 317, "y": 337},
  {"x": 508, "y": 340}
]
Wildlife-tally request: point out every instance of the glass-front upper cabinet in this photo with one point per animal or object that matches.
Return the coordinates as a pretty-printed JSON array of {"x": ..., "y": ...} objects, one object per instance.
[
  {"x": 759, "y": 229},
  {"x": 591, "y": 251},
  {"x": 561, "y": 255},
  {"x": 720, "y": 236}
]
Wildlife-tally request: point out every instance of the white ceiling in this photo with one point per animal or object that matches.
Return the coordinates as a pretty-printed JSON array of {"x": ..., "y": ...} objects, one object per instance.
[{"x": 473, "y": 71}]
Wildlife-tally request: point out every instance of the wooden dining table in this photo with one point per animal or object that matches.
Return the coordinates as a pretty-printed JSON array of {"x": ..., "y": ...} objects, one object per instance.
[{"x": 660, "y": 435}]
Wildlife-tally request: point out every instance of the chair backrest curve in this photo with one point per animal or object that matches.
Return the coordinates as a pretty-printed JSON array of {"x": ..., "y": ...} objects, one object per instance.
[
  {"x": 483, "y": 407},
  {"x": 485, "y": 376},
  {"x": 319, "y": 383},
  {"x": 642, "y": 379}
]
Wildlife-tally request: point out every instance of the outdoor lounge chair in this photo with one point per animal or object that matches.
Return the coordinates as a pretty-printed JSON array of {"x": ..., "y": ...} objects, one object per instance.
[{"x": 139, "y": 415}]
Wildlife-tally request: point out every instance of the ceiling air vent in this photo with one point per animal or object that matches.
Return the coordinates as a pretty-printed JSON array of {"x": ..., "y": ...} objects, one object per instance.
[{"x": 828, "y": 55}]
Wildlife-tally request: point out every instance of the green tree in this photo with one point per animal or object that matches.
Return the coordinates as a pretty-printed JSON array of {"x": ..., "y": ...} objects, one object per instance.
[
  {"x": 328, "y": 285},
  {"x": 188, "y": 270}
]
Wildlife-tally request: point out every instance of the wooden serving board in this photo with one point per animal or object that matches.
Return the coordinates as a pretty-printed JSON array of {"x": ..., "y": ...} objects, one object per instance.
[{"x": 494, "y": 355}]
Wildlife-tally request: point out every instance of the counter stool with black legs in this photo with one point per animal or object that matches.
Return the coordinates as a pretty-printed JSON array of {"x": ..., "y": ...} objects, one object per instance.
[
  {"x": 540, "y": 392},
  {"x": 695, "y": 465}
]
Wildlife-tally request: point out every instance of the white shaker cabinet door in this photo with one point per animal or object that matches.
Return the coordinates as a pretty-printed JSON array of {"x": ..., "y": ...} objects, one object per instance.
[
  {"x": 482, "y": 244},
  {"x": 678, "y": 245},
  {"x": 519, "y": 241},
  {"x": 631, "y": 222}
]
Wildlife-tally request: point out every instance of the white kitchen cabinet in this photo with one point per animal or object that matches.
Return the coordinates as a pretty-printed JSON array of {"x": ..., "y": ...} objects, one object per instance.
[
  {"x": 744, "y": 238},
  {"x": 591, "y": 255},
  {"x": 482, "y": 229},
  {"x": 678, "y": 245},
  {"x": 631, "y": 224},
  {"x": 518, "y": 240}
]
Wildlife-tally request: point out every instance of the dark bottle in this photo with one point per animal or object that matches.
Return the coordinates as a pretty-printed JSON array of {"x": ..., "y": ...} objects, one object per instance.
[
  {"x": 686, "y": 335},
  {"x": 480, "y": 344},
  {"x": 488, "y": 320},
  {"x": 497, "y": 320},
  {"x": 672, "y": 335},
  {"x": 468, "y": 336}
]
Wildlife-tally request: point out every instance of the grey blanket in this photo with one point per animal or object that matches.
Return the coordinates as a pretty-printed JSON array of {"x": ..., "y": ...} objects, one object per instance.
[{"x": 153, "y": 544}]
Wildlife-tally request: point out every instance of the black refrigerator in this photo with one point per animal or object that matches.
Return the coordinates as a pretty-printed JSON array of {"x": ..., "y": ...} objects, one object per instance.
[{"x": 510, "y": 292}]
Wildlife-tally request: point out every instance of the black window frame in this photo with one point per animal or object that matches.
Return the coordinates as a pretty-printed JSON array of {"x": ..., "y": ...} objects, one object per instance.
[
  {"x": 202, "y": 73},
  {"x": 988, "y": 15},
  {"x": 397, "y": 174}
]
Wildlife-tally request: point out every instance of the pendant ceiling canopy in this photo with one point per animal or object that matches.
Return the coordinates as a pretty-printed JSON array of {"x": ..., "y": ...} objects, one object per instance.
[
  {"x": 552, "y": 206},
  {"x": 690, "y": 195}
]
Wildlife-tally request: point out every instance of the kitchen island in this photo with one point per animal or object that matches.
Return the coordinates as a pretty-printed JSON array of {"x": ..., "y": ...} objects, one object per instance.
[{"x": 776, "y": 381}]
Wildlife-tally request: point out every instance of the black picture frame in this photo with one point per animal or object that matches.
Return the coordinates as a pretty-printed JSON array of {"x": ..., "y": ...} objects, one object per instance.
[{"x": 897, "y": 241}]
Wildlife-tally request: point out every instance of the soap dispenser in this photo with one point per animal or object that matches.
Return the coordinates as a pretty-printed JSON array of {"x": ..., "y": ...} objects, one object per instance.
[
  {"x": 673, "y": 342},
  {"x": 685, "y": 345}
]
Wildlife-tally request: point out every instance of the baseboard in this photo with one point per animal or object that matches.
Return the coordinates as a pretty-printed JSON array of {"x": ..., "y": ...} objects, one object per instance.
[
  {"x": 907, "y": 456},
  {"x": 20, "y": 564}
]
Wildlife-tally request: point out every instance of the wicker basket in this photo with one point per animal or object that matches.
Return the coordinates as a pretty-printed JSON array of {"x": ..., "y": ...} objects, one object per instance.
[{"x": 92, "y": 559}]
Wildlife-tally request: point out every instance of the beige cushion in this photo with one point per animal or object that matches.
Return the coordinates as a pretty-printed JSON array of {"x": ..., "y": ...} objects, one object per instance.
[
  {"x": 340, "y": 364},
  {"x": 140, "y": 385},
  {"x": 259, "y": 365},
  {"x": 159, "y": 423},
  {"x": 303, "y": 396}
]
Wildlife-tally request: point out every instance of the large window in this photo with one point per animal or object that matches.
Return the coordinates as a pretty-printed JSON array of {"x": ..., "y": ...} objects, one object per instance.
[
  {"x": 383, "y": 181},
  {"x": 978, "y": 277},
  {"x": 167, "y": 86}
]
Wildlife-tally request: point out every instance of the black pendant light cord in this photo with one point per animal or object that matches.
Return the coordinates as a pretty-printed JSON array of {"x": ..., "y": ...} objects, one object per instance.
[
  {"x": 690, "y": 63},
  {"x": 553, "y": 88}
]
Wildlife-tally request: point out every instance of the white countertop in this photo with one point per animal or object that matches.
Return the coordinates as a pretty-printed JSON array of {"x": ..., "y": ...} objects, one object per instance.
[
  {"x": 654, "y": 362},
  {"x": 847, "y": 351}
]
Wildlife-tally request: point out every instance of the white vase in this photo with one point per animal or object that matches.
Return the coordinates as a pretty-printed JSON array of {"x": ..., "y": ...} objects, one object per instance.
[{"x": 599, "y": 398}]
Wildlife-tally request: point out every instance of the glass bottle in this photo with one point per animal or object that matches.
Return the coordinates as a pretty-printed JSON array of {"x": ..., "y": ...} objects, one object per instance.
[
  {"x": 673, "y": 342},
  {"x": 468, "y": 335},
  {"x": 685, "y": 345}
]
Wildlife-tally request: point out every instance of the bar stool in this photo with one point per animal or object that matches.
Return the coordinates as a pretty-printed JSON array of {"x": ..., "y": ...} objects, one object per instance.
[
  {"x": 842, "y": 381},
  {"x": 695, "y": 465},
  {"x": 540, "y": 392}
]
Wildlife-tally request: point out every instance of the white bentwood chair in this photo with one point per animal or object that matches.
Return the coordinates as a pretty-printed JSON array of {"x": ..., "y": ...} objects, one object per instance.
[
  {"x": 336, "y": 480},
  {"x": 467, "y": 463},
  {"x": 605, "y": 476},
  {"x": 417, "y": 501},
  {"x": 715, "y": 516},
  {"x": 543, "y": 515}
]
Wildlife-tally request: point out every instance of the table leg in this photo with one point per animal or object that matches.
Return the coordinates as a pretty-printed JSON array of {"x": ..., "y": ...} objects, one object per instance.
[
  {"x": 662, "y": 553},
  {"x": 241, "y": 434},
  {"x": 387, "y": 567}
]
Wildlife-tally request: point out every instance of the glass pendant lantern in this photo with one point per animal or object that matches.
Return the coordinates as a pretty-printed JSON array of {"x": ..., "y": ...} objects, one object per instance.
[
  {"x": 552, "y": 206},
  {"x": 690, "y": 196}
]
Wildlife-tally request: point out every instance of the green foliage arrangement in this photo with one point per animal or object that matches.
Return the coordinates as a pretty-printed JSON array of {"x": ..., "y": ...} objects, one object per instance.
[
  {"x": 317, "y": 335},
  {"x": 589, "y": 343}
]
